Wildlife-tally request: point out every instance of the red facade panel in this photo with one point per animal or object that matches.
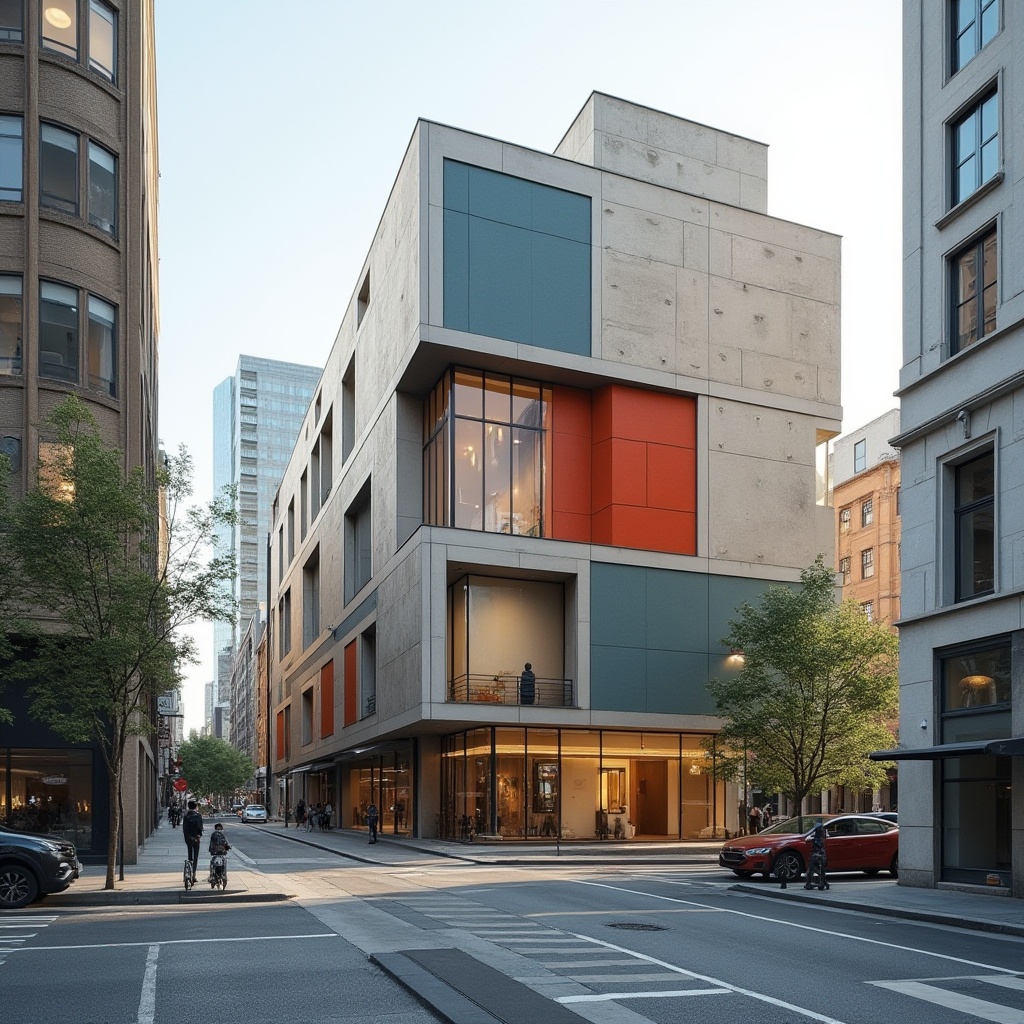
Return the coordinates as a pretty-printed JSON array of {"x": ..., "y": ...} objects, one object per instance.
[
  {"x": 351, "y": 684},
  {"x": 327, "y": 700}
]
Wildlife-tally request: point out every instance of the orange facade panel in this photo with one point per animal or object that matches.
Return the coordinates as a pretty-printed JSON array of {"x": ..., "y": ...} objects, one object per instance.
[
  {"x": 635, "y": 414},
  {"x": 327, "y": 700},
  {"x": 351, "y": 684},
  {"x": 671, "y": 477}
]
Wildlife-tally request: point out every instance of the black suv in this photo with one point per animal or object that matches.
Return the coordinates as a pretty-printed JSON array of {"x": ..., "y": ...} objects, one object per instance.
[{"x": 33, "y": 865}]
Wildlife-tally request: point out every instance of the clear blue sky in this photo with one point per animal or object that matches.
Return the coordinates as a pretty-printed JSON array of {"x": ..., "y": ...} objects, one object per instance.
[{"x": 282, "y": 127}]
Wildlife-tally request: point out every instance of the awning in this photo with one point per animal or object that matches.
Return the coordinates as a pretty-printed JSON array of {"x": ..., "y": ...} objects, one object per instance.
[
  {"x": 320, "y": 766},
  {"x": 970, "y": 747}
]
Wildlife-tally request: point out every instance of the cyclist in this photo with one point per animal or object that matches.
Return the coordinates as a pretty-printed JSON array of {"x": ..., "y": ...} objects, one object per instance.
[
  {"x": 218, "y": 845},
  {"x": 192, "y": 829}
]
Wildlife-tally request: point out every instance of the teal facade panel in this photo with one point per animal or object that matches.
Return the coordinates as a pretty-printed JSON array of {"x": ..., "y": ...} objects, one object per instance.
[{"x": 618, "y": 678}]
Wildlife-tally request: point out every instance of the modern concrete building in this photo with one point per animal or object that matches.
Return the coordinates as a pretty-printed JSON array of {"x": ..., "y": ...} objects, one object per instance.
[
  {"x": 865, "y": 495},
  {"x": 79, "y": 316},
  {"x": 257, "y": 413},
  {"x": 243, "y": 689},
  {"x": 962, "y": 449},
  {"x": 571, "y": 420}
]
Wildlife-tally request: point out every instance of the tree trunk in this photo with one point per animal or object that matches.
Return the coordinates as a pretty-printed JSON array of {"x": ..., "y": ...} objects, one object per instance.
[{"x": 114, "y": 829}]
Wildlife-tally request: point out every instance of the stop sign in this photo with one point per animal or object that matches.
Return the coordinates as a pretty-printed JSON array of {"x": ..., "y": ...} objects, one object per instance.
[{"x": 180, "y": 785}]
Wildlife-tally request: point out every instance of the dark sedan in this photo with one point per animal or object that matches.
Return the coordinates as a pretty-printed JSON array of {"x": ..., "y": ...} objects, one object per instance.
[
  {"x": 33, "y": 865},
  {"x": 853, "y": 842}
]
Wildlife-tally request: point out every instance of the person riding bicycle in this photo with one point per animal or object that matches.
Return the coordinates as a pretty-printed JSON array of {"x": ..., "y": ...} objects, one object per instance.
[
  {"x": 192, "y": 830},
  {"x": 219, "y": 845}
]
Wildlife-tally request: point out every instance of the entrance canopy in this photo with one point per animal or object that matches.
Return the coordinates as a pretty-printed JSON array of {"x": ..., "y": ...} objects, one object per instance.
[{"x": 1000, "y": 748}]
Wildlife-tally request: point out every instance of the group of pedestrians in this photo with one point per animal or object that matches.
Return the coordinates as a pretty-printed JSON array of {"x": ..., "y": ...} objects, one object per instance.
[
  {"x": 314, "y": 816},
  {"x": 759, "y": 818}
]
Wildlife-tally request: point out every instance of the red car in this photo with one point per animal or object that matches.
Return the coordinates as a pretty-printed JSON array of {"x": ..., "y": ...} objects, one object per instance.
[{"x": 854, "y": 842}]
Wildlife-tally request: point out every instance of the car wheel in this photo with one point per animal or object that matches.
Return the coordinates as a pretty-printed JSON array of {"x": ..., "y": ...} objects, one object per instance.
[
  {"x": 871, "y": 872},
  {"x": 894, "y": 866},
  {"x": 742, "y": 874},
  {"x": 18, "y": 886},
  {"x": 788, "y": 866}
]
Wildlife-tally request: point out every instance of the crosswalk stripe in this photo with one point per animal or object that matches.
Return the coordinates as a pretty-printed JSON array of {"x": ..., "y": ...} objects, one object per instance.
[
  {"x": 955, "y": 1001},
  {"x": 1015, "y": 983}
]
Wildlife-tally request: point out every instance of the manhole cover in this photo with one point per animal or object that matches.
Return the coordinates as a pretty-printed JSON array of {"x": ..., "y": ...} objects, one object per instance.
[{"x": 633, "y": 926}]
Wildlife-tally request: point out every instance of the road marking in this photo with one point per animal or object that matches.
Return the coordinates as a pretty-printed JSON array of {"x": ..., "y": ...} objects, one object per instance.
[
  {"x": 176, "y": 942},
  {"x": 562, "y": 965},
  {"x": 955, "y": 1001},
  {"x": 147, "y": 1002},
  {"x": 608, "y": 996},
  {"x": 607, "y": 979},
  {"x": 804, "y": 927},
  {"x": 1014, "y": 983},
  {"x": 716, "y": 982}
]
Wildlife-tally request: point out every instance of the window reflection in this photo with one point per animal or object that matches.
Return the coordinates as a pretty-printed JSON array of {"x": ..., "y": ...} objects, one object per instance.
[{"x": 977, "y": 678}]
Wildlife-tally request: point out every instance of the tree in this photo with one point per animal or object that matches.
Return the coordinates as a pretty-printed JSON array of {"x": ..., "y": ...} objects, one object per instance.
[
  {"x": 211, "y": 765},
  {"x": 115, "y": 590},
  {"x": 816, "y": 692}
]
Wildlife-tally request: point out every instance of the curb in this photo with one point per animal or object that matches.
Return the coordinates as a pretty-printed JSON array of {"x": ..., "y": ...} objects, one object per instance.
[
  {"x": 928, "y": 916},
  {"x": 158, "y": 897}
]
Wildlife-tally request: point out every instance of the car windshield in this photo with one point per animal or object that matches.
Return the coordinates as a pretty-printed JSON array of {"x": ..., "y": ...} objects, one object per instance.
[
  {"x": 258, "y": 808},
  {"x": 794, "y": 826}
]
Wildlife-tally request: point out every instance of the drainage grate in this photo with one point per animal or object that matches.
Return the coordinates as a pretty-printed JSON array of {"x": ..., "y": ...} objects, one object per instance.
[{"x": 633, "y": 926}]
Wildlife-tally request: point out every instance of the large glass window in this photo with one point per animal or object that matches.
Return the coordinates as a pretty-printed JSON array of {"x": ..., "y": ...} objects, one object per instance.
[
  {"x": 102, "y": 351},
  {"x": 977, "y": 678},
  {"x": 975, "y": 24},
  {"x": 529, "y": 248},
  {"x": 58, "y": 331},
  {"x": 975, "y": 279},
  {"x": 58, "y": 172},
  {"x": 59, "y": 25},
  {"x": 103, "y": 39},
  {"x": 974, "y": 513},
  {"x": 975, "y": 148},
  {"x": 10, "y": 324},
  {"x": 10, "y": 157},
  {"x": 12, "y": 25},
  {"x": 102, "y": 189},
  {"x": 48, "y": 791},
  {"x": 496, "y": 427}
]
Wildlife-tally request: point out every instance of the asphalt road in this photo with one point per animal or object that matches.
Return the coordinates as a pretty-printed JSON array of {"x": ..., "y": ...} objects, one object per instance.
[{"x": 531, "y": 945}]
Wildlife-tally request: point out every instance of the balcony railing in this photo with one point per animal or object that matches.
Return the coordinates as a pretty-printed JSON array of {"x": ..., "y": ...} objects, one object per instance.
[{"x": 507, "y": 689}]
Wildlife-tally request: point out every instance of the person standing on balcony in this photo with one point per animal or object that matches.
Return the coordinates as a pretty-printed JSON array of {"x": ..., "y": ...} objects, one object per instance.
[{"x": 527, "y": 685}]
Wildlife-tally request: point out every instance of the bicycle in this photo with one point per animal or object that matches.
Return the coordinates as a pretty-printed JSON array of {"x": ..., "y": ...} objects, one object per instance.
[{"x": 188, "y": 873}]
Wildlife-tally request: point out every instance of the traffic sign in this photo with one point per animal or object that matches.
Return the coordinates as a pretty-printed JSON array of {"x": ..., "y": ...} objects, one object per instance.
[{"x": 180, "y": 785}]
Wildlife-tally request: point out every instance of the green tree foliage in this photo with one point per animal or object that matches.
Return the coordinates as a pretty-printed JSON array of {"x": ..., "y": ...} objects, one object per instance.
[
  {"x": 212, "y": 766},
  {"x": 114, "y": 591},
  {"x": 817, "y": 692}
]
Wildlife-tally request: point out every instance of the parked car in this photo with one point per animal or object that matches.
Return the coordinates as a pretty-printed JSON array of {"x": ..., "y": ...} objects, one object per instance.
[
  {"x": 853, "y": 842},
  {"x": 34, "y": 865},
  {"x": 254, "y": 812},
  {"x": 887, "y": 815}
]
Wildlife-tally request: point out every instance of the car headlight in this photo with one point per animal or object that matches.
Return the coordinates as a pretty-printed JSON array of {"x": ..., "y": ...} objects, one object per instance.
[{"x": 759, "y": 849}]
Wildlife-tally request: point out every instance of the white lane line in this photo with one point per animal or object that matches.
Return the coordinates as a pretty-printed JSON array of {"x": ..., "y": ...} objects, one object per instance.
[
  {"x": 175, "y": 942},
  {"x": 955, "y": 1001},
  {"x": 716, "y": 982},
  {"x": 564, "y": 964},
  {"x": 606, "y": 979},
  {"x": 806, "y": 928},
  {"x": 147, "y": 1002},
  {"x": 608, "y": 996}
]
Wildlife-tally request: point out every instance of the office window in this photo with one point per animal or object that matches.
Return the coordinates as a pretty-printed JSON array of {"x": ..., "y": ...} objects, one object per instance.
[
  {"x": 286, "y": 621},
  {"x": 974, "y": 515},
  {"x": 58, "y": 332},
  {"x": 867, "y": 512},
  {"x": 348, "y": 409},
  {"x": 303, "y": 505},
  {"x": 974, "y": 288},
  {"x": 103, "y": 39},
  {"x": 291, "y": 530},
  {"x": 102, "y": 347},
  {"x": 844, "y": 520},
  {"x": 102, "y": 189},
  {"x": 869, "y": 610},
  {"x": 975, "y": 148},
  {"x": 860, "y": 456},
  {"x": 311, "y": 599},
  {"x": 11, "y": 149},
  {"x": 12, "y": 24},
  {"x": 326, "y": 457},
  {"x": 975, "y": 24},
  {"x": 358, "y": 542},
  {"x": 844, "y": 569},
  {"x": 280, "y": 554},
  {"x": 363, "y": 299},
  {"x": 867, "y": 563},
  {"x": 307, "y": 715},
  {"x": 978, "y": 677},
  {"x": 59, "y": 23},
  {"x": 10, "y": 324},
  {"x": 58, "y": 169}
]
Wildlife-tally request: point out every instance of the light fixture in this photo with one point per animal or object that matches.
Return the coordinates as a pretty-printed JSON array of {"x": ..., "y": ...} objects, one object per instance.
[
  {"x": 737, "y": 659},
  {"x": 977, "y": 681},
  {"x": 694, "y": 769},
  {"x": 57, "y": 18}
]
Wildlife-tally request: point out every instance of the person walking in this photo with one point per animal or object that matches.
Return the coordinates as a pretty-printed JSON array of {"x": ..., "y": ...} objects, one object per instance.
[
  {"x": 328, "y": 811},
  {"x": 755, "y": 819},
  {"x": 372, "y": 814},
  {"x": 192, "y": 830},
  {"x": 300, "y": 812}
]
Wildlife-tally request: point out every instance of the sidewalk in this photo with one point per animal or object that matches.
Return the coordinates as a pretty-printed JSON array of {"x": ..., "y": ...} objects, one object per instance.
[{"x": 156, "y": 878}]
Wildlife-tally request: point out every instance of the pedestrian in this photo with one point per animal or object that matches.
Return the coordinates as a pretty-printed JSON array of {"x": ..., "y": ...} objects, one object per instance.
[
  {"x": 399, "y": 815},
  {"x": 300, "y": 812},
  {"x": 819, "y": 859},
  {"x": 192, "y": 830},
  {"x": 371, "y": 821},
  {"x": 328, "y": 811},
  {"x": 755, "y": 819},
  {"x": 527, "y": 685},
  {"x": 766, "y": 816}
]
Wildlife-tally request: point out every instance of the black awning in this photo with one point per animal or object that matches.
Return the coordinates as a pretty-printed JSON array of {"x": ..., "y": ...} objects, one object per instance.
[{"x": 997, "y": 747}]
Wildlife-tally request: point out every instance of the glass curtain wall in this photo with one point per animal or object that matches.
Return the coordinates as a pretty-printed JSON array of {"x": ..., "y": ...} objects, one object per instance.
[{"x": 48, "y": 791}]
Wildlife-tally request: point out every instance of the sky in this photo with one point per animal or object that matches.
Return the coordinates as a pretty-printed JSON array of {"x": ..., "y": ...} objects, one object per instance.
[{"x": 282, "y": 127}]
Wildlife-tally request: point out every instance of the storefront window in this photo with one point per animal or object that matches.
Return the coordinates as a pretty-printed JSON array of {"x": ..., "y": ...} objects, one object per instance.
[
  {"x": 49, "y": 791},
  {"x": 510, "y": 763}
]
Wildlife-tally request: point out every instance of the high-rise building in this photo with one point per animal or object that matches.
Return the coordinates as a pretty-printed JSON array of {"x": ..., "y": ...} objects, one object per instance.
[
  {"x": 78, "y": 316},
  {"x": 962, "y": 448},
  {"x": 572, "y": 419},
  {"x": 257, "y": 413}
]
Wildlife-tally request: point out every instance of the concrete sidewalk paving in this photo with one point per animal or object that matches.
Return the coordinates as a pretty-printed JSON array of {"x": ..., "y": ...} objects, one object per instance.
[{"x": 156, "y": 878}]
